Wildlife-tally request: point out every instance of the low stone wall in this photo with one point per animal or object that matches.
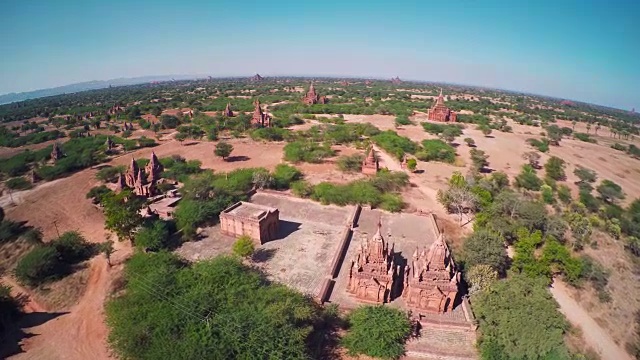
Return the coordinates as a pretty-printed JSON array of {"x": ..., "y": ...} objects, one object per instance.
[{"x": 338, "y": 258}]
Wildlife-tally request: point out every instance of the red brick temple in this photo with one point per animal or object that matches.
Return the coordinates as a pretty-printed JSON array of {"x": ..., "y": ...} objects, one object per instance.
[
  {"x": 370, "y": 165},
  {"x": 396, "y": 80},
  {"x": 431, "y": 281},
  {"x": 258, "y": 222},
  {"x": 227, "y": 111},
  {"x": 373, "y": 271},
  {"x": 440, "y": 112},
  {"x": 142, "y": 181},
  {"x": 256, "y": 77},
  {"x": 313, "y": 98},
  {"x": 260, "y": 118}
]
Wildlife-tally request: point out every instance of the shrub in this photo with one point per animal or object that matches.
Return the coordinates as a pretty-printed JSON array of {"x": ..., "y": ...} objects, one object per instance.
[
  {"x": 436, "y": 150},
  {"x": 244, "y": 246},
  {"x": 527, "y": 179},
  {"x": 38, "y": 266},
  {"x": 18, "y": 183},
  {"x": 153, "y": 236},
  {"x": 484, "y": 247},
  {"x": 109, "y": 173},
  {"x": 470, "y": 142},
  {"x": 541, "y": 145},
  {"x": 554, "y": 168},
  {"x": 547, "y": 194},
  {"x": 299, "y": 151},
  {"x": 72, "y": 247},
  {"x": 378, "y": 331},
  {"x": 584, "y": 137},
  {"x": 618, "y": 146},
  {"x": 223, "y": 149},
  {"x": 395, "y": 144},
  {"x": 284, "y": 175},
  {"x": 610, "y": 191},
  {"x": 411, "y": 164},
  {"x": 350, "y": 163},
  {"x": 564, "y": 194}
]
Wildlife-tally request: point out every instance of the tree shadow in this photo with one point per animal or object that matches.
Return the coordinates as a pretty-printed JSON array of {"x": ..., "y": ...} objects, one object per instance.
[
  {"x": 419, "y": 171},
  {"x": 14, "y": 333},
  {"x": 454, "y": 145},
  {"x": 486, "y": 170},
  {"x": 263, "y": 255},
  {"x": 191, "y": 143},
  {"x": 490, "y": 136},
  {"x": 324, "y": 340},
  {"x": 286, "y": 228},
  {"x": 238, "y": 158}
]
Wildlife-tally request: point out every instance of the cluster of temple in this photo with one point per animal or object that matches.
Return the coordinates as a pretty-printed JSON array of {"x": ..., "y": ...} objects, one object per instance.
[
  {"x": 258, "y": 222},
  {"x": 260, "y": 118},
  {"x": 313, "y": 98},
  {"x": 370, "y": 165},
  {"x": 429, "y": 283},
  {"x": 141, "y": 180},
  {"x": 440, "y": 112}
]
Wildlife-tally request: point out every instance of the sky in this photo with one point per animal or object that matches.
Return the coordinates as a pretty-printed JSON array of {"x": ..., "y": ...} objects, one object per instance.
[{"x": 587, "y": 50}]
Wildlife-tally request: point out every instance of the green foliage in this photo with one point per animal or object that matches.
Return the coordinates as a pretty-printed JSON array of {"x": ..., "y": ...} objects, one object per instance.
[
  {"x": 122, "y": 213},
  {"x": 244, "y": 246},
  {"x": 179, "y": 169},
  {"x": 478, "y": 159},
  {"x": 378, "y": 331},
  {"x": 169, "y": 121},
  {"x": 436, "y": 150},
  {"x": 306, "y": 151},
  {"x": 395, "y": 144},
  {"x": 519, "y": 319},
  {"x": 411, "y": 164},
  {"x": 403, "y": 120},
  {"x": 12, "y": 139},
  {"x": 554, "y": 133},
  {"x": 584, "y": 137},
  {"x": 437, "y": 129},
  {"x": 223, "y": 149},
  {"x": 153, "y": 236},
  {"x": 564, "y": 194},
  {"x": 215, "y": 309},
  {"x": 541, "y": 145},
  {"x": 350, "y": 163},
  {"x": 586, "y": 176},
  {"x": 480, "y": 277},
  {"x": 72, "y": 247},
  {"x": 484, "y": 247},
  {"x": 527, "y": 179},
  {"x": 470, "y": 142},
  {"x": 38, "y": 266},
  {"x": 283, "y": 175},
  {"x": 270, "y": 134},
  {"x": 610, "y": 191},
  {"x": 597, "y": 276},
  {"x": 554, "y": 168},
  {"x": 18, "y": 183},
  {"x": 547, "y": 194},
  {"x": 97, "y": 193}
]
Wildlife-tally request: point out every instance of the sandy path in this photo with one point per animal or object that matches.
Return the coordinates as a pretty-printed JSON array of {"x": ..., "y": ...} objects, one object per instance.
[{"x": 593, "y": 334}]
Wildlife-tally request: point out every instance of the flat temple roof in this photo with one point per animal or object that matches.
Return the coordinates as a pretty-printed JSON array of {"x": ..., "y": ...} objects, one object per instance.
[{"x": 249, "y": 210}]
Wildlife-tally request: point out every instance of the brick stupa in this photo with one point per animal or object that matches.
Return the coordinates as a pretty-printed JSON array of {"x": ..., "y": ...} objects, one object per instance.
[
  {"x": 440, "y": 112},
  {"x": 313, "y": 98},
  {"x": 260, "y": 118}
]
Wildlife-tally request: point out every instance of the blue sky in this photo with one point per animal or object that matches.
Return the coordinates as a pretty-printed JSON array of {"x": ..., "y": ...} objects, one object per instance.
[{"x": 584, "y": 50}]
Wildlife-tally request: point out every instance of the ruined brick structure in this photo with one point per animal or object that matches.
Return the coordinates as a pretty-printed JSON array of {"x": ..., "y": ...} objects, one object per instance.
[
  {"x": 109, "y": 144},
  {"x": 431, "y": 281},
  {"x": 396, "y": 80},
  {"x": 260, "y": 118},
  {"x": 56, "y": 152},
  {"x": 373, "y": 272},
  {"x": 227, "y": 111},
  {"x": 313, "y": 98},
  {"x": 141, "y": 181},
  {"x": 256, "y": 77},
  {"x": 440, "y": 112},
  {"x": 259, "y": 222},
  {"x": 115, "y": 110},
  {"x": 370, "y": 164}
]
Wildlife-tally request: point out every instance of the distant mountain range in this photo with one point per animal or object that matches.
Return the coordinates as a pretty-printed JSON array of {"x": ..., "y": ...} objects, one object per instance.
[{"x": 88, "y": 85}]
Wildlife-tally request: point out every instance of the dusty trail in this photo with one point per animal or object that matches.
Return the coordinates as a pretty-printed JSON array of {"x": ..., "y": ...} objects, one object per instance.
[{"x": 592, "y": 333}]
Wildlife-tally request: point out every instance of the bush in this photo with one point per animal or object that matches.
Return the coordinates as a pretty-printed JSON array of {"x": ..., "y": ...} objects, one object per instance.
[
  {"x": 554, "y": 168},
  {"x": 311, "y": 152},
  {"x": 38, "y": 266},
  {"x": 378, "y": 331},
  {"x": 484, "y": 247},
  {"x": 527, "y": 179},
  {"x": 244, "y": 246},
  {"x": 72, "y": 247},
  {"x": 153, "y": 237},
  {"x": 350, "y": 163},
  {"x": 584, "y": 137},
  {"x": 436, "y": 150},
  {"x": 541, "y": 145},
  {"x": 395, "y": 144},
  {"x": 547, "y": 194},
  {"x": 564, "y": 194},
  {"x": 284, "y": 175},
  {"x": 18, "y": 183},
  {"x": 109, "y": 173}
]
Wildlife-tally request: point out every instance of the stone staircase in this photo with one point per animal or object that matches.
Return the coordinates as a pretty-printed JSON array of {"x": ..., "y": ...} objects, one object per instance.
[{"x": 442, "y": 343}]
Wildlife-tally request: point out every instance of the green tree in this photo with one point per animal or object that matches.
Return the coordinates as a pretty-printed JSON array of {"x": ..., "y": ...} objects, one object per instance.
[
  {"x": 350, "y": 163},
  {"x": 470, "y": 142},
  {"x": 378, "y": 331},
  {"x": 547, "y": 194},
  {"x": 412, "y": 164},
  {"x": 481, "y": 277},
  {"x": 514, "y": 309},
  {"x": 107, "y": 249},
  {"x": 610, "y": 191},
  {"x": 554, "y": 168},
  {"x": 436, "y": 150},
  {"x": 484, "y": 247},
  {"x": 564, "y": 194},
  {"x": 153, "y": 236},
  {"x": 244, "y": 246},
  {"x": 38, "y": 266},
  {"x": 223, "y": 149},
  {"x": 122, "y": 213},
  {"x": 527, "y": 179},
  {"x": 554, "y": 133},
  {"x": 478, "y": 159}
]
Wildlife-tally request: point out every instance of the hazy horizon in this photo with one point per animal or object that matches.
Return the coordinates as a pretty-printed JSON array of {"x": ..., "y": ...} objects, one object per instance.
[{"x": 567, "y": 49}]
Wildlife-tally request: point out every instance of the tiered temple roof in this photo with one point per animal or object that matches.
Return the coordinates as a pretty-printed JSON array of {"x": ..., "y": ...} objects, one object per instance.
[
  {"x": 227, "y": 111},
  {"x": 373, "y": 271},
  {"x": 313, "y": 98},
  {"x": 142, "y": 181},
  {"x": 370, "y": 163},
  {"x": 431, "y": 281},
  {"x": 56, "y": 152},
  {"x": 260, "y": 118},
  {"x": 440, "y": 112}
]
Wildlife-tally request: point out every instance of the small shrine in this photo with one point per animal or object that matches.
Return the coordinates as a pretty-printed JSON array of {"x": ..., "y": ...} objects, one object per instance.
[
  {"x": 260, "y": 118},
  {"x": 370, "y": 165},
  {"x": 313, "y": 98},
  {"x": 227, "y": 111}
]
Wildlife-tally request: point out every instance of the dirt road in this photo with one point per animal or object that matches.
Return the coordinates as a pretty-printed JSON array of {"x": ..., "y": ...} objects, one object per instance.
[{"x": 593, "y": 334}]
